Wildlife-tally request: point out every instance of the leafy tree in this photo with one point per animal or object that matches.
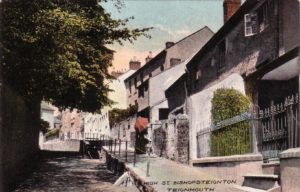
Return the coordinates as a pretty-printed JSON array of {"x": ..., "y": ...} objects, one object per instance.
[
  {"x": 117, "y": 115},
  {"x": 44, "y": 126},
  {"x": 56, "y": 50}
]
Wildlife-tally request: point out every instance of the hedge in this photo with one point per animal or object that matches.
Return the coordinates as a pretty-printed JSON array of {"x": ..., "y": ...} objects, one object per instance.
[{"x": 234, "y": 139}]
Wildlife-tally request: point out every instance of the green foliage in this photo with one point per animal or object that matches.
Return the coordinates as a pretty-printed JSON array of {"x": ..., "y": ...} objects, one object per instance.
[
  {"x": 52, "y": 133},
  {"x": 117, "y": 115},
  {"x": 44, "y": 126},
  {"x": 57, "y": 51},
  {"x": 228, "y": 103},
  {"x": 233, "y": 139}
]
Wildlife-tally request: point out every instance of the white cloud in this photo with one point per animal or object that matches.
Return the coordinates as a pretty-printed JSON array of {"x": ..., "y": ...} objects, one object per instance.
[
  {"x": 183, "y": 32},
  {"x": 176, "y": 34}
]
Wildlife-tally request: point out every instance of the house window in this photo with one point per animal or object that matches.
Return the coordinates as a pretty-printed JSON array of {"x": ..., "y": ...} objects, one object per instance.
[
  {"x": 174, "y": 61},
  {"x": 250, "y": 24},
  {"x": 135, "y": 82},
  {"x": 257, "y": 21},
  {"x": 141, "y": 91},
  {"x": 129, "y": 86},
  {"x": 198, "y": 74},
  {"x": 124, "y": 131},
  {"x": 142, "y": 76},
  {"x": 163, "y": 113},
  {"x": 263, "y": 16},
  {"x": 146, "y": 85}
]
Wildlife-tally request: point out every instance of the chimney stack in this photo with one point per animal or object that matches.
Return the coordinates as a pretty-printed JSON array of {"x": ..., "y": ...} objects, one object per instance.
[
  {"x": 149, "y": 57},
  {"x": 230, "y": 7},
  {"x": 169, "y": 44},
  {"x": 134, "y": 64}
]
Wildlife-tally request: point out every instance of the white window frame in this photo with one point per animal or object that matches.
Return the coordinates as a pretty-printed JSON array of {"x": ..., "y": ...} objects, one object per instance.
[{"x": 251, "y": 25}]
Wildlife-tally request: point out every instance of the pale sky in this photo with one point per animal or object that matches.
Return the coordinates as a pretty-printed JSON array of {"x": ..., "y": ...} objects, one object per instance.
[{"x": 172, "y": 20}]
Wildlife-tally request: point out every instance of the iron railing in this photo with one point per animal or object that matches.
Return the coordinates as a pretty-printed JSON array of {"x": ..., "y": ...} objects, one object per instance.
[
  {"x": 276, "y": 128},
  {"x": 280, "y": 126},
  {"x": 232, "y": 136}
]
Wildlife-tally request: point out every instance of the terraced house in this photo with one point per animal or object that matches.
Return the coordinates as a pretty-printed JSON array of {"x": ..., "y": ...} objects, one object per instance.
[{"x": 142, "y": 92}]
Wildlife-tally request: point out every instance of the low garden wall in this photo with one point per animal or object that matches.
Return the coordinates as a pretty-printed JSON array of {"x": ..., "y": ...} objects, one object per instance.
[
  {"x": 290, "y": 170},
  {"x": 231, "y": 167},
  {"x": 67, "y": 145}
]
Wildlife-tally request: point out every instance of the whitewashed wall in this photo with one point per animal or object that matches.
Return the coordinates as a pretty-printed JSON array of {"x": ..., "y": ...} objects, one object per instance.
[
  {"x": 119, "y": 93},
  {"x": 199, "y": 111},
  {"x": 96, "y": 124}
]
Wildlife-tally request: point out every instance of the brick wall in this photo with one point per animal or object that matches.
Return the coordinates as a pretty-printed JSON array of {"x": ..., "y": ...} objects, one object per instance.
[{"x": 230, "y": 7}]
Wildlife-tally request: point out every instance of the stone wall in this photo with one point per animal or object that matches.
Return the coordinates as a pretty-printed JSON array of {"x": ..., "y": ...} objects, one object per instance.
[
  {"x": 231, "y": 167},
  {"x": 20, "y": 121},
  {"x": 68, "y": 145},
  {"x": 290, "y": 170},
  {"x": 182, "y": 126},
  {"x": 159, "y": 141}
]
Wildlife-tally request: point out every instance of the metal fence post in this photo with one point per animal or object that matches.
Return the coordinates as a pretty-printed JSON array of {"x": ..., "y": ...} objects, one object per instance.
[
  {"x": 111, "y": 144},
  {"x": 119, "y": 147},
  {"x": 134, "y": 157},
  {"x": 115, "y": 146},
  {"x": 126, "y": 151}
]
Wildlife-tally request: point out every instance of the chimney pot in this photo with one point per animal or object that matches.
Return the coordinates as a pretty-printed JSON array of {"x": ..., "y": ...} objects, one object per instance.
[
  {"x": 149, "y": 57},
  {"x": 169, "y": 44}
]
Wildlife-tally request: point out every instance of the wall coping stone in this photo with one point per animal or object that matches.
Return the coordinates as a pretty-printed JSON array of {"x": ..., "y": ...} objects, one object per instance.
[
  {"x": 263, "y": 176},
  {"x": 271, "y": 164},
  {"x": 290, "y": 153},
  {"x": 233, "y": 158}
]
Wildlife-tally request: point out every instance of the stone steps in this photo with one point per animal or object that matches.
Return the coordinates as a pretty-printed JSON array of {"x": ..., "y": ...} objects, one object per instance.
[
  {"x": 248, "y": 189},
  {"x": 272, "y": 167},
  {"x": 261, "y": 181}
]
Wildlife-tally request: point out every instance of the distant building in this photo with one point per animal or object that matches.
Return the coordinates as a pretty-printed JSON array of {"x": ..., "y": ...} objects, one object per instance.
[
  {"x": 145, "y": 88},
  {"x": 137, "y": 84},
  {"x": 97, "y": 125},
  {"x": 71, "y": 125},
  {"x": 47, "y": 114}
]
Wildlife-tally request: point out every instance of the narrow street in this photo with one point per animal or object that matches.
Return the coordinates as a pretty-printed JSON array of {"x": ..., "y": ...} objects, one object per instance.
[{"x": 71, "y": 175}]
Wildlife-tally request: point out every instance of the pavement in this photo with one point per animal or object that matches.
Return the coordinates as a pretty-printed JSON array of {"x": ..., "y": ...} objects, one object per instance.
[
  {"x": 72, "y": 175},
  {"x": 169, "y": 176}
]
